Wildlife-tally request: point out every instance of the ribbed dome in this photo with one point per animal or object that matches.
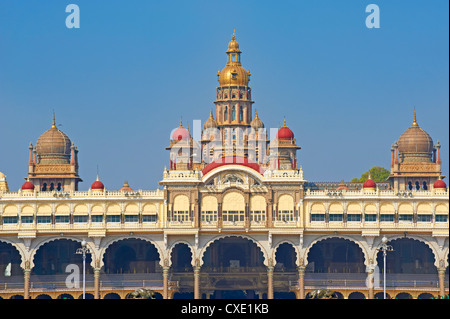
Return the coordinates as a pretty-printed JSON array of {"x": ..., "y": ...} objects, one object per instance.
[
  {"x": 233, "y": 75},
  {"x": 256, "y": 123},
  {"x": 210, "y": 122},
  {"x": 53, "y": 147},
  {"x": 415, "y": 145}
]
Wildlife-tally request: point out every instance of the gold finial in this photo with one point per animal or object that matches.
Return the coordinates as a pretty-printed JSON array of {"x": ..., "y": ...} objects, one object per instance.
[
  {"x": 414, "y": 121},
  {"x": 181, "y": 121},
  {"x": 256, "y": 113},
  {"x": 284, "y": 125},
  {"x": 54, "y": 122},
  {"x": 233, "y": 37}
]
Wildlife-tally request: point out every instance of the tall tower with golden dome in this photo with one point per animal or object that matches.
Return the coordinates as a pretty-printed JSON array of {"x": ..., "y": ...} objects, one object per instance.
[
  {"x": 415, "y": 160},
  {"x": 53, "y": 162},
  {"x": 234, "y": 110},
  {"x": 233, "y": 135},
  {"x": 233, "y": 101}
]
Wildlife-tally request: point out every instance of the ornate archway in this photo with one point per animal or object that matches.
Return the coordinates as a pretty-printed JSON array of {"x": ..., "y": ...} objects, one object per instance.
[
  {"x": 131, "y": 255},
  {"x": 335, "y": 255}
]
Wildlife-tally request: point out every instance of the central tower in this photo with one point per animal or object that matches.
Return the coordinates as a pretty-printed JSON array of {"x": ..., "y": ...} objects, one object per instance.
[{"x": 233, "y": 100}]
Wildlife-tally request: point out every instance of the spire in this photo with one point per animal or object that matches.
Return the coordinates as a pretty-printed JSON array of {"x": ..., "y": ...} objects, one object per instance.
[
  {"x": 414, "y": 121},
  {"x": 54, "y": 122}
]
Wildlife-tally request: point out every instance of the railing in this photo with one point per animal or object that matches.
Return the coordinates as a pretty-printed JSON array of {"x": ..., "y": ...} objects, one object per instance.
[
  {"x": 155, "y": 280},
  {"x": 359, "y": 280},
  {"x": 377, "y": 192},
  {"x": 81, "y": 194},
  {"x": 107, "y": 281}
]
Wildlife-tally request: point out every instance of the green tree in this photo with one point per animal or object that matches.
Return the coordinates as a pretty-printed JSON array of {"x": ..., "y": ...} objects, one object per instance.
[{"x": 377, "y": 173}]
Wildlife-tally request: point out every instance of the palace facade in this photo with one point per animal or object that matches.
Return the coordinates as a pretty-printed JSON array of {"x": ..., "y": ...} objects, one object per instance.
[{"x": 235, "y": 218}]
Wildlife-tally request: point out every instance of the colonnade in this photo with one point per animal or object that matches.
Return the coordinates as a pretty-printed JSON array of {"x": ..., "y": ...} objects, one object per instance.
[{"x": 268, "y": 245}]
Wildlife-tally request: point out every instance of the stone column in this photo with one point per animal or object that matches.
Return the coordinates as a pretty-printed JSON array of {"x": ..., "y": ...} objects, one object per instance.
[
  {"x": 441, "y": 274},
  {"x": 270, "y": 282},
  {"x": 166, "y": 282},
  {"x": 301, "y": 282},
  {"x": 96, "y": 283},
  {"x": 26, "y": 283},
  {"x": 196, "y": 282},
  {"x": 219, "y": 215},
  {"x": 370, "y": 283}
]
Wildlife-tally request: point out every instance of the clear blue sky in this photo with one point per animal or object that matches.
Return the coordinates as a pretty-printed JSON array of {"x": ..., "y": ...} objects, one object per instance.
[{"x": 120, "y": 83}]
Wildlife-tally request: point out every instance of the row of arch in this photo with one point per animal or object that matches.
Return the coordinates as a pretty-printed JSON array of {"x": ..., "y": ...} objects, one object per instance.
[
  {"x": 343, "y": 256},
  {"x": 64, "y": 209},
  {"x": 384, "y": 208},
  {"x": 367, "y": 258},
  {"x": 257, "y": 202},
  {"x": 277, "y": 295},
  {"x": 233, "y": 201}
]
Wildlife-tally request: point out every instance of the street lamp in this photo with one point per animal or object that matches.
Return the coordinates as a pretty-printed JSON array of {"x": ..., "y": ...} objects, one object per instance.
[
  {"x": 385, "y": 248},
  {"x": 83, "y": 251}
]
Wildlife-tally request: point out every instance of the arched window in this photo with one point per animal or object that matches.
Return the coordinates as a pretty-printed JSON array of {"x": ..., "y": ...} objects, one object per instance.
[
  {"x": 233, "y": 207},
  {"x": 233, "y": 114},
  {"x": 44, "y": 187},
  {"x": 181, "y": 208},
  {"x": 410, "y": 187},
  {"x": 226, "y": 113},
  {"x": 286, "y": 208},
  {"x": 424, "y": 186},
  {"x": 241, "y": 114},
  {"x": 417, "y": 185}
]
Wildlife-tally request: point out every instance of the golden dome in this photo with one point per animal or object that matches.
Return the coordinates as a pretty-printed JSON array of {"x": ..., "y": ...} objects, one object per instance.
[
  {"x": 53, "y": 147},
  {"x": 233, "y": 45},
  {"x": 415, "y": 145},
  {"x": 2, "y": 176},
  {"x": 233, "y": 74}
]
